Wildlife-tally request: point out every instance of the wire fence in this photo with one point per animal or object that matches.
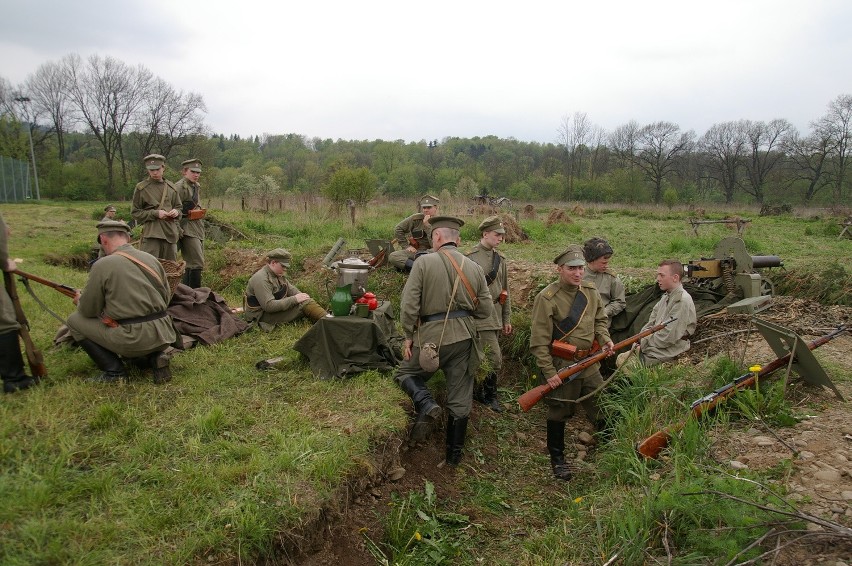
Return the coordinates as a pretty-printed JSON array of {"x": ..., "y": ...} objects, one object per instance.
[{"x": 14, "y": 180}]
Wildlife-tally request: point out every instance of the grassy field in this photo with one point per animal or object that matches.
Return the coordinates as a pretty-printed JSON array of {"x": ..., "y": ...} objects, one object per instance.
[{"x": 228, "y": 464}]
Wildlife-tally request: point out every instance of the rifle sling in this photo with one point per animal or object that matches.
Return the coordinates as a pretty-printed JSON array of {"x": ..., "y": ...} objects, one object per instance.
[
  {"x": 566, "y": 326},
  {"x": 29, "y": 289},
  {"x": 145, "y": 267},
  {"x": 464, "y": 280}
]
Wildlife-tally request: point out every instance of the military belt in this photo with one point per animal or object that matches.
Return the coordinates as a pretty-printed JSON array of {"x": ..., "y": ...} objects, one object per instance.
[
  {"x": 442, "y": 315},
  {"x": 146, "y": 318}
]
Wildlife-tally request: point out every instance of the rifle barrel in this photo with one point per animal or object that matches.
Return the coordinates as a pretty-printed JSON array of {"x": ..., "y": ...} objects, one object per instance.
[{"x": 70, "y": 292}]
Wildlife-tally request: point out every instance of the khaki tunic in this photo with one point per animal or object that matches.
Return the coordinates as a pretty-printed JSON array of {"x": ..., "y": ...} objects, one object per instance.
[
  {"x": 490, "y": 328},
  {"x": 146, "y": 206},
  {"x": 428, "y": 291},
  {"x": 263, "y": 286},
  {"x": 8, "y": 320},
  {"x": 552, "y": 305},
  {"x": 190, "y": 192},
  {"x": 668, "y": 343},
  {"x": 121, "y": 289},
  {"x": 611, "y": 290},
  {"x": 412, "y": 226}
]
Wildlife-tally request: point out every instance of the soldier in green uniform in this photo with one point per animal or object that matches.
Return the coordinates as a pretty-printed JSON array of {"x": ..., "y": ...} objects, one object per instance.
[
  {"x": 598, "y": 252},
  {"x": 122, "y": 309},
  {"x": 439, "y": 310},
  {"x": 191, "y": 243},
  {"x": 271, "y": 300},
  {"x": 157, "y": 207},
  {"x": 414, "y": 232},
  {"x": 493, "y": 264},
  {"x": 11, "y": 361},
  {"x": 568, "y": 311},
  {"x": 109, "y": 213}
]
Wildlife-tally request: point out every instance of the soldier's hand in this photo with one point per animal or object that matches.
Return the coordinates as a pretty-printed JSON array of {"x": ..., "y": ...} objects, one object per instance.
[
  {"x": 174, "y": 213},
  {"x": 406, "y": 351},
  {"x": 411, "y": 249},
  {"x": 302, "y": 297},
  {"x": 10, "y": 265},
  {"x": 77, "y": 296},
  {"x": 609, "y": 346},
  {"x": 554, "y": 381},
  {"x": 507, "y": 329}
]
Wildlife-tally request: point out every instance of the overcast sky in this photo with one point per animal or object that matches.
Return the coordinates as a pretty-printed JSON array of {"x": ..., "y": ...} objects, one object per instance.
[{"x": 427, "y": 70}]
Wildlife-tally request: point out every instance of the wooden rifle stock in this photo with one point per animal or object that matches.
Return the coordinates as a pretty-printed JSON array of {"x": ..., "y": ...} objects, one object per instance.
[
  {"x": 34, "y": 358},
  {"x": 654, "y": 444},
  {"x": 64, "y": 289},
  {"x": 380, "y": 257},
  {"x": 536, "y": 394}
]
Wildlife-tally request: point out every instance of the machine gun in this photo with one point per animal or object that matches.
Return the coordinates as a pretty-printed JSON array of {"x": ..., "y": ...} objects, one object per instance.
[{"x": 733, "y": 268}]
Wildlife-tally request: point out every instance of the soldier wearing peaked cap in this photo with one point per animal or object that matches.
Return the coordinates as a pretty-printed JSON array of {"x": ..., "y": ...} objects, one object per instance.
[
  {"x": 121, "y": 312},
  {"x": 568, "y": 322},
  {"x": 270, "y": 299},
  {"x": 444, "y": 296},
  {"x": 414, "y": 232},
  {"x": 109, "y": 213},
  {"x": 493, "y": 264},
  {"x": 157, "y": 207},
  {"x": 191, "y": 243}
]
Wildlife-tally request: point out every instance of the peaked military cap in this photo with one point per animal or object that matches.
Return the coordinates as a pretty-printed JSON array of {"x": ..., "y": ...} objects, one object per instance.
[
  {"x": 595, "y": 248},
  {"x": 154, "y": 161},
  {"x": 280, "y": 255},
  {"x": 109, "y": 208},
  {"x": 112, "y": 226},
  {"x": 193, "y": 165},
  {"x": 429, "y": 200},
  {"x": 446, "y": 222},
  {"x": 492, "y": 224},
  {"x": 573, "y": 256}
]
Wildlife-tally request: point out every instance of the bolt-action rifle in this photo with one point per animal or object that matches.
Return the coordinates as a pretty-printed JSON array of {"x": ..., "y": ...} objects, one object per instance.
[
  {"x": 569, "y": 373},
  {"x": 64, "y": 289},
  {"x": 34, "y": 358},
  {"x": 654, "y": 444},
  {"x": 379, "y": 258}
]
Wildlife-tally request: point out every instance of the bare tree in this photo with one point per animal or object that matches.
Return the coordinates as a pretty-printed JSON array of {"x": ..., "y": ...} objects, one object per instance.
[
  {"x": 809, "y": 157},
  {"x": 724, "y": 148},
  {"x": 48, "y": 89},
  {"x": 107, "y": 93},
  {"x": 837, "y": 125},
  {"x": 763, "y": 148},
  {"x": 623, "y": 142},
  {"x": 574, "y": 135},
  {"x": 167, "y": 119},
  {"x": 660, "y": 145}
]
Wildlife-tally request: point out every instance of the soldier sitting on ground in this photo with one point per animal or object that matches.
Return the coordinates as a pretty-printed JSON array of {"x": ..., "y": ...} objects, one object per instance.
[
  {"x": 271, "y": 300},
  {"x": 414, "y": 232}
]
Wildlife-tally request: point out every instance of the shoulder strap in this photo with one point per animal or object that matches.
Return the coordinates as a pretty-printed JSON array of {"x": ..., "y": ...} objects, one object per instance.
[
  {"x": 464, "y": 280},
  {"x": 566, "y": 326},
  {"x": 495, "y": 265},
  {"x": 147, "y": 268}
]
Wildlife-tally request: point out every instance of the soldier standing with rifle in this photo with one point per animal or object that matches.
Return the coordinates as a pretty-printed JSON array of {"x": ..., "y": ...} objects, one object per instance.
[
  {"x": 441, "y": 301},
  {"x": 191, "y": 243},
  {"x": 417, "y": 231},
  {"x": 568, "y": 323},
  {"x": 11, "y": 360},
  {"x": 493, "y": 264},
  {"x": 157, "y": 207}
]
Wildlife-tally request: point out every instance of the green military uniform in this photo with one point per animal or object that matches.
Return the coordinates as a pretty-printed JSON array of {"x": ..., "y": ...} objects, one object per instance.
[
  {"x": 270, "y": 300},
  {"x": 191, "y": 243},
  {"x": 550, "y": 307},
  {"x": 426, "y": 299},
  {"x": 493, "y": 265},
  {"x": 611, "y": 290},
  {"x": 159, "y": 235},
  {"x": 11, "y": 361},
  {"x": 122, "y": 290},
  {"x": 412, "y": 228},
  {"x": 673, "y": 340}
]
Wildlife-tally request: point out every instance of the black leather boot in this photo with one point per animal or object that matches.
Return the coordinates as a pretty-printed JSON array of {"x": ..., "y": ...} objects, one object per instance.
[
  {"x": 12, "y": 364},
  {"x": 556, "y": 448},
  {"x": 194, "y": 277},
  {"x": 456, "y": 430},
  {"x": 160, "y": 366},
  {"x": 486, "y": 393},
  {"x": 107, "y": 361},
  {"x": 428, "y": 411},
  {"x": 409, "y": 263}
]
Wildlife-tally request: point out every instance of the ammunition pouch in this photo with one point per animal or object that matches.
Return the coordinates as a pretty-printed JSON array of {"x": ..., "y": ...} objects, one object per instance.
[{"x": 566, "y": 351}]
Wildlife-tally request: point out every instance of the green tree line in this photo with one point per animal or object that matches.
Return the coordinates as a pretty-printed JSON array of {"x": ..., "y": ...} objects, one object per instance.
[{"x": 92, "y": 122}]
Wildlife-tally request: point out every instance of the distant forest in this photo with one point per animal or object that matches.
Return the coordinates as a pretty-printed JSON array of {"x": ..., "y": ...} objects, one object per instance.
[{"x": 93, "y": 120}]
